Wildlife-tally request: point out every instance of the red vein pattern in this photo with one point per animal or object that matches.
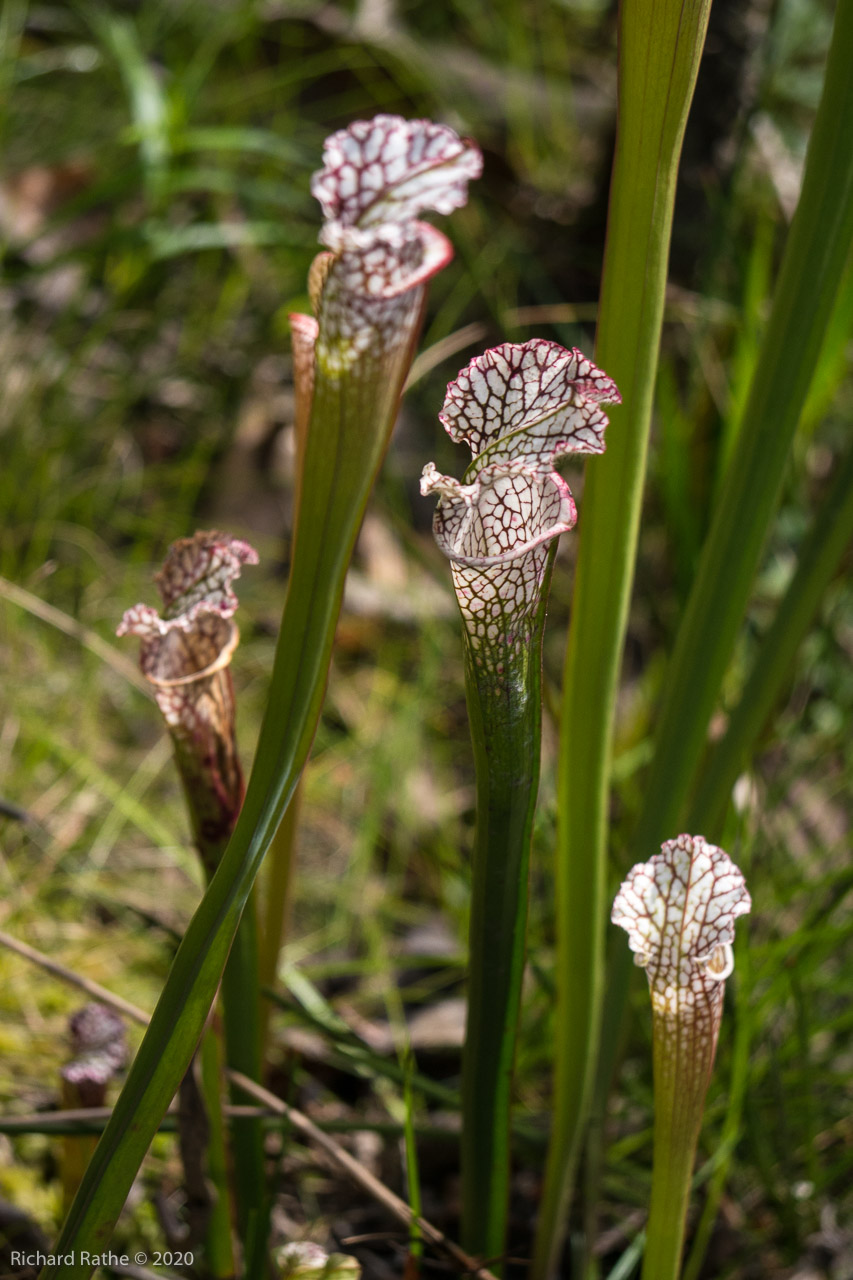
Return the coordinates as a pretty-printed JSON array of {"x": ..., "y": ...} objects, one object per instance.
[
  {"x": 679, "y": 910},
  {"x": 520, "y": 408},
  {"x": 186, "y": 656},
  {"x": 388, "y": 169},
  {"x": 196, "y": 577},
  {"x": 378, "y": 175},
  {"x": 182, "y": 651},
  {"x": 538, "y": 388},
  {"x": 99, "y": 1048}
]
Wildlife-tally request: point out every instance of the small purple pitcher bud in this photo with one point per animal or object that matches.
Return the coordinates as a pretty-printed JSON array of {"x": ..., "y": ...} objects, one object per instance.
[
  {"x": 185, "y": 655},
  {"x": 99, "y": 1049}
]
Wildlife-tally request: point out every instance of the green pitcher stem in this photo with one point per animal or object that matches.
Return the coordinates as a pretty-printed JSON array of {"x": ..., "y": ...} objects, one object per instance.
[
  {"x": 505, "y": 714},
  {"x": 680, "y": 1084},
  {"x": 817, "y": 562},
  {"x": 272, "y": 920},
  {"x": 241, "y": 1007},
  {"x": 219, "y": 1245}
]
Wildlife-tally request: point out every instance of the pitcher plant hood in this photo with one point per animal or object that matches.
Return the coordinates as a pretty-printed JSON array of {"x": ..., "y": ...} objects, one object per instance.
[
  {"x": 378, "y": 175},
  {"x": 679, "y": 911},
  {"x": 185, "y": 654},
  {"x": 520, "y": 408}
]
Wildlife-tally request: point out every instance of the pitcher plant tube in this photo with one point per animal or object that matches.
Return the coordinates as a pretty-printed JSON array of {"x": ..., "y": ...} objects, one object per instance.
[
  {"x": 679, "y": 910},
  {"x": 99, "y": 1051},
  {"x": 369, "y": 292},
  {"x": 520, "y": 409},
  {"x": 186, "y": 656}
]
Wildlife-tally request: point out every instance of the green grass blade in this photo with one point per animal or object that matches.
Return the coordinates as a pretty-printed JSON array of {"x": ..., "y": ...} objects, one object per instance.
[
  {"x": 242, "y": 140},
  {"x": 629, "y": 1263},
  {"x": 834, "y": 363},
  {"x": 811, "y": 271},
  {"x": 171, "y": 242},
  {"x": 830, "y": 535},
  {"x": 273, "y": 915},
  {"x": 660, "y": 47},
  {"x": 13, "y": 17},
  {"x": 149, "y": 104},
  {"x": 351, "y": 1053},
  {"x": 219, "y": 1247},
  {"x": 241, "y": 1007},
  {"x": 413, "y": 1176},
  {"x": 131, "y": 810}
]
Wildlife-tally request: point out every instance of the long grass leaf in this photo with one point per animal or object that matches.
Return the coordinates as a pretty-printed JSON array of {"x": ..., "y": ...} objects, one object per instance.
[
  {"x": 812, "y": 269},
  {"x": 823, "y": 548},
  {"x": 660, "y": 47},
  {"x": 147, "y": 98}
]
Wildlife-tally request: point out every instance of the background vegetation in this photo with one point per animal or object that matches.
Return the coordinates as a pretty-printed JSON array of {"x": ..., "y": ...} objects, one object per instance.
[{"x": 158, "y": 228}]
